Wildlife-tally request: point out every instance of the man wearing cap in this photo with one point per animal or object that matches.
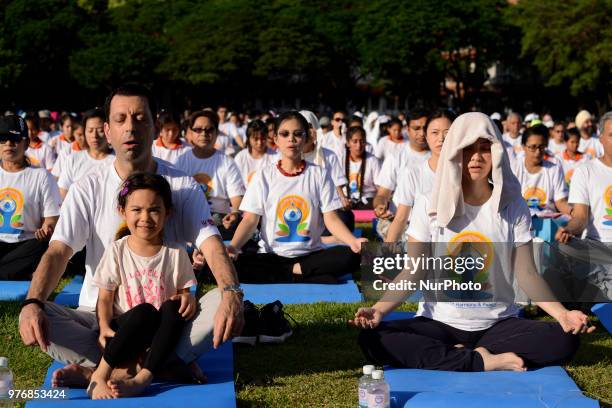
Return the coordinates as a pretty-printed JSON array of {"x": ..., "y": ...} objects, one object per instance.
[
  {"x": 589, "y": 143},
  {"x": 44, "y": 121},
  {"x": 89, "y": 218}
]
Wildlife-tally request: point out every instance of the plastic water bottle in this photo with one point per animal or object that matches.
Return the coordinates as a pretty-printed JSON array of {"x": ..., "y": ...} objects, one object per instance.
[
  {"x": 364, "y": 383},
  {"x": 6, "y": 379},
  {"x": 378, "y": 391}
]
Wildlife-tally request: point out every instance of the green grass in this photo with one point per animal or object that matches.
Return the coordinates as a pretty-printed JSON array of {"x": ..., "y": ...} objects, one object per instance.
[{"x": 317, "y": 367}]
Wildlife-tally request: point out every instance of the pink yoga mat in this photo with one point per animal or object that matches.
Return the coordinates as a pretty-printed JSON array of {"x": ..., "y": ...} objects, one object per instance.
[{"x": 363, "y": 215}]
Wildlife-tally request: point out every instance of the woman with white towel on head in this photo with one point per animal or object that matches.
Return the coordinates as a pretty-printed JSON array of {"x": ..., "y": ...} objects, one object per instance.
[{"x": 476, "y": 200}]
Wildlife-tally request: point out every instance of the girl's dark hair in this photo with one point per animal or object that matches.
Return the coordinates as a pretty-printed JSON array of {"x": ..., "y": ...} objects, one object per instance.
[
  {"x": 571, "y": 132},
  {"x": 537, "y": 130},
  {"x": 292, "y": 115},
  {"x": 394, "y": 121},
  {"x": 212, "y": 117},
  {"x": 353, "y": 130},
  {"x": 67, "y": 116},
  {"x": 143, "y": 181},
  {"x": 34, "y": 119},
  {"x": 167, "y": 118},
  {"x": 91, "y": 114},
  {"x": 255, "y": 126},
  {"x": 441, "y": 113}
]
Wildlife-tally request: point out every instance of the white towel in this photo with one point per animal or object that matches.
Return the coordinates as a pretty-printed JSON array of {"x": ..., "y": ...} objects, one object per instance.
[{"x": 447, "y": 194}]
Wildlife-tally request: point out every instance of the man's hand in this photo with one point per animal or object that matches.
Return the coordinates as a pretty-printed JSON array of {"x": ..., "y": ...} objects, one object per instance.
[
  {"x": 188, "y": 305},
  {"x": 232, "y": 252},
  {"x": 198, "y": 259},
  {"x": 33, "y": 326},
  {"x": 44, "y": 233},
  {"x": 382, "y": 211},
  {"x": 105, "y": 333},
  {"x": 563, "y": 236},
  {"x": 575, "y": 321},
  {"x": 229, "y": 220},
  {"x": 229, "y": 319},
  {"x": 356, "y": 244},
  {"x": 367, "y": 318}
]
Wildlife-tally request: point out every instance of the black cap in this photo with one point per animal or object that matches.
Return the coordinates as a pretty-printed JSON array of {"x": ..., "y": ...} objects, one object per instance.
[{"x": 13, "y": 125}]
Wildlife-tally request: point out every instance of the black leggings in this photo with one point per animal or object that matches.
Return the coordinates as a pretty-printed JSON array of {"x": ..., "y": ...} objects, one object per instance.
[
  {"x": 19, "y": 260},
  {"x": 425, "y": 343},
  {"x": 323, "y": 266},
  {"x": 142, "y": 327}
]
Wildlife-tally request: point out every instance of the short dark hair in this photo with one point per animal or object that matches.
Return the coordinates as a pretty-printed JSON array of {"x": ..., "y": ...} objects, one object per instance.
[
  {"x": 394, "y": 121},
  {"x": 571, "y": 132},
  {"x": 255, "y": 126},
  {"x": 356, "y": 118},
  {"x": 416, "y": 114},
  {"x": 291, "y": 115},
  {"x": 130, "y": 89},
  {"x": 67, "y": 116},
  {"x": 167, "y": 118},
  {"x": 212, "y": 117},
  {"x": 536, "y": 130},
  {"x": 34, "y": 119},
  {"x": 145, "y": 181},
  {"x": 441, "y": 113},
  {"x": 93, "y": 113}
]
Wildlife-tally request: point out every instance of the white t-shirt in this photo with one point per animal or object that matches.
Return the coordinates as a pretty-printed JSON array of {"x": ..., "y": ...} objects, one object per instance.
[
  {"x": 334, "y": 143},
  {"x": 26, "y": 197},
  {"x": 394, "y": 166},
  {"x": 514, "y": 143},
  {"x": 569, "y": 165},
  {"x": 386, "y": 147},
  {"x": 542, "y": 189},
  {"x": 78, "y": 165},
  {"x": 248, "y": 165},
  {"x": 224, "y": 144},
  {"x": 330, "y": 162},
  {"x": 89, "y": 217},
  {"x": 41, "y": 156},
  {"x": 218, "y": 177},
  {"x": 368, "y": 188},
  {"x": 417, "y": 180},
  {"x": 291, "y": 208},
  {"x": 556, "y": 148},
  {"x": 478, "y": 224},
  {"x": 169, "y": 155},
  {"x": 591, "y": 146},
  {"x": 143, "y": 279},
  {"x": 60, "y": 145},
  {"x": 592, "y": 185}
]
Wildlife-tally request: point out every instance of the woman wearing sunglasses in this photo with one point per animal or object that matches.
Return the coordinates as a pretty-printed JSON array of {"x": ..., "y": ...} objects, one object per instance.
[
  {"x": 295, "y": 200},
  {"x": 542, "y": 182},
  {"x": 29, "y": 204},
  {"x": 216, "y": 173}
]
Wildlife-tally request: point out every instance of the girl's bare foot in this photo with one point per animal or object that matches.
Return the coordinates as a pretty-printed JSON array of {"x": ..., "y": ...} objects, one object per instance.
[
  {"x": 98, "y": 388},
  {"x": 72, "y": 375},
  {"x": 503, "y": 361},
  {"x": 131, "y": 387}
]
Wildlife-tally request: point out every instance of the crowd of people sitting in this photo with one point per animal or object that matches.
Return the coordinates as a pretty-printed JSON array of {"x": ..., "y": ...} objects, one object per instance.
[{"x": 256, "y": 198}]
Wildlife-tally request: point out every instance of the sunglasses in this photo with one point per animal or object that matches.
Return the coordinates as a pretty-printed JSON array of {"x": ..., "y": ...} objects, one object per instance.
[
  {"x": 533, "y": 148},
  {"x": 208, "y": 130},
  {"x": 338, "y": 119},
  {"x": 9, "y": 137},
  {"x": 298, "y": 134}
]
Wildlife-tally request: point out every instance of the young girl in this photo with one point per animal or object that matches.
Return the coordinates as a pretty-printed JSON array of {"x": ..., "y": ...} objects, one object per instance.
[
  {"x": 39, "y": 153},
  {"x": 419, "y": 179},
  {"x": 295, "y": 199},
  {"x": 62, "y": 144},
  {"x": 29, "y": 204},
  {"x": 556, "y": 144},
  {"x": 216, "y": 172},
  {"x": 542, "y": 183},
  {"x": 360, "y": 168},
  {"x": 571, "y": 158},
  {"x": 465, "y": 206},
  {"x": 257, "y": 154},
  {"x": 392, "y": 144},
  {"x": 168, "y": 146},
  {"x": 67, "y": 149},
  {"x": 140, "y": 280}
]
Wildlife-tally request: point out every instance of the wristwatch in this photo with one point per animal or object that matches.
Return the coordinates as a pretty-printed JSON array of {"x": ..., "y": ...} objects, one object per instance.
[
  {"x": 30, "y": 301},
  {"x": 234, "y": 288}
]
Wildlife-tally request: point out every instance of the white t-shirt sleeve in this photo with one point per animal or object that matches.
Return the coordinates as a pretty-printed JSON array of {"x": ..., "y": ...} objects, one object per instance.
[
  {"x": 379, "y": 150},
  {"x": 521, "y": 222},
  {"x": 403, "y": 194},
  {"x": 185, "y": 277},
  {"x": 107, "y": 274},
  {"x": 560, "y": 188},
  {"x": 51, "y": 197},
  {"x": 329, "y": 195},
  {"x": 234, "y": 185},
  {"x": 49, "y": 158},
  {"x": 336, "y": 170},
  {"x": 420, "y": 224},
  {"x": 386, "y": 177},
  {"x": 579, "y": 190},
  {"x": 197, "y": 221},
  {"x": 73, "y": 226},
  {"x": 254, "y": 199}
]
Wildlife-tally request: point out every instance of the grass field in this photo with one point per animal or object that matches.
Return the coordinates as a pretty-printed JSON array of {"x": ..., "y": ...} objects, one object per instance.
[{"x": 317, "y": 367}]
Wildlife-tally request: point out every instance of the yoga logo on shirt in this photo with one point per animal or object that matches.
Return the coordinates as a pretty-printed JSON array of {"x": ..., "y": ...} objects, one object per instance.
[
  {"x": 11, "y": 204},
  {"x": 535, "y": 198},
  {"x": 472, "y": 244},
  {"x": 568, "y": 176},
  {"x": 608, "y": 203},
  {"x": 291, "y": 219},
  {"x": 34, "y": 161},
  {"x": 206, "y": 183},
  {"x": 354, "y": 181}
]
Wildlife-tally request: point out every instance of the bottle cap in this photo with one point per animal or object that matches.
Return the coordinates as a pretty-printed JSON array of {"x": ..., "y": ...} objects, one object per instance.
[
  {"x": 377, "y": 374},
  {"x": 367, "y": 369},
  {"x": 3, "y": 362}
]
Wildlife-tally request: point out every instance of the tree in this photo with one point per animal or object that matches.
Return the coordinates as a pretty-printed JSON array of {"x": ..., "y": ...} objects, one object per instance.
[{"x": 571, "y": 44}]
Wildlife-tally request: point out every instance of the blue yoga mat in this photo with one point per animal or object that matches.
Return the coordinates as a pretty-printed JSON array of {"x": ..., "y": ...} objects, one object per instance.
[
  {"x": 69, "y": 296},
  {"x": 218, "y": 392},
  {"x": 296, "y": 293},
  {"x": 604, "y": 312},
  {"x": 13, "y": 290},
  {"x": 544, "y": 387}
]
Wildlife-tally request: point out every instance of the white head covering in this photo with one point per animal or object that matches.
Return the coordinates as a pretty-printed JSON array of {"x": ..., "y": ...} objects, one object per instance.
[
  {"x": 372, "y": 128},
  {"x": 312, "y": 120},
  {"x": 447, "y": 194},
  {"x": 582, "y": 117}
]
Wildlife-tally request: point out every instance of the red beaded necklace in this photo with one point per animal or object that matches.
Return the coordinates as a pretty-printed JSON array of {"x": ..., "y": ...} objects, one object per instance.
[{"x": 297, "y": 173}]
